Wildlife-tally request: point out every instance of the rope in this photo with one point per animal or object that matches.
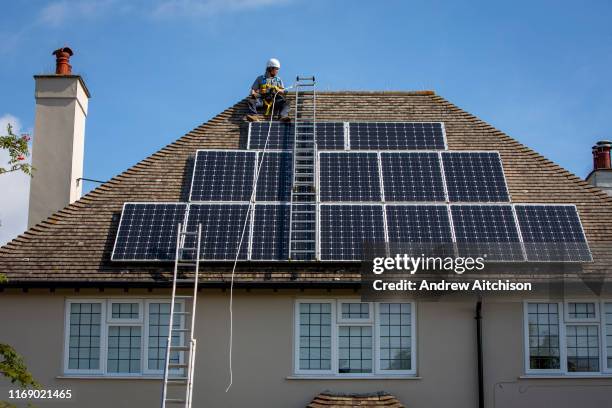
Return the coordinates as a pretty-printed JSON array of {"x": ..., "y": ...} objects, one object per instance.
[{"x": 246, "y": 218}]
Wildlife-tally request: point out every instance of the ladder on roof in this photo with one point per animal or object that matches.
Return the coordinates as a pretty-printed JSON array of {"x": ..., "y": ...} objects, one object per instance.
[
  {"x": 303, "y": 225},
  {"x": 181, "y": 345}
]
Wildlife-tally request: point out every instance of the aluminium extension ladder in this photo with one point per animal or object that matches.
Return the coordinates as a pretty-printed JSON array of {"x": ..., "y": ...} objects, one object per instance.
[
  {"x": 302, "y": 225},
  {"x": 180, "y": 358}
]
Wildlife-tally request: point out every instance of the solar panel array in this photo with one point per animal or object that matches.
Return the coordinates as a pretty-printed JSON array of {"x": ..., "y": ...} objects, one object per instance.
[
  {"x": 412, "y": 176},
  {"x": 390, "y": 183},
  {"x": 353, "y": 135}
]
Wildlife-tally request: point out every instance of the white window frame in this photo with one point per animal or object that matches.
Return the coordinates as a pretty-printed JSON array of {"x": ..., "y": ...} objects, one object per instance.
[
  {"x": 102, "y": 355},
  {"x": 105, "y": 322},
  {"x": 127, "y": 321},
  {"x": 145, "y": 348},
  {"x": 336, "y": 322},
  {"x": 570, "y": 320},
  {"x": 564, "y": 321}
]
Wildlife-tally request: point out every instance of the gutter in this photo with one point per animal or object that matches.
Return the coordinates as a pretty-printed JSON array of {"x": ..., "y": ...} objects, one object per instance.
[{"x": 478, "y": 318}]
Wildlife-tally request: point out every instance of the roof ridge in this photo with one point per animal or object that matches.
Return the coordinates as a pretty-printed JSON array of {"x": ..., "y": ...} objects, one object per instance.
[
  {"x": 602, "y": 195},
  {"x": 94, "y": 194}
]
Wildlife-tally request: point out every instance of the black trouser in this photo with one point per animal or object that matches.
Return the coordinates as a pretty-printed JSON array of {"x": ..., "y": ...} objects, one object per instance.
[{"x": 280, "y": 105}]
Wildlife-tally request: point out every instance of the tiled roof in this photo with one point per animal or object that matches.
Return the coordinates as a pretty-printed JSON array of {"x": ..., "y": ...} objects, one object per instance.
[
  {"x": 378, "y": 399},
  {"x": 75, "y": 244}
]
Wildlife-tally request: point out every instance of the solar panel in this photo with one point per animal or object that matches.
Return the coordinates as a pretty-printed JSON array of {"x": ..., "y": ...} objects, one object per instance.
[
  {"x": 274, "y": 181},
  {"x": 474, "y": 176},
  {"x": 344, "y": 229},
  {"x": 552, "y": 233},
  {"x": 418, "y": 223},
  {"x": 396, "y": 135},
  {"x": 147, "y": 231},
  {"x": 349, "y": 177},
  {"x": 281, "y": 135},
  {"x": 412, "y": 177},
  {"x": 223, "y": 175},
  {"x": 330, "y": 135},
  {"x": 222, "y": 226},
  {"x": 487, "y": 231},
  {"x": 271, "y": 232}
]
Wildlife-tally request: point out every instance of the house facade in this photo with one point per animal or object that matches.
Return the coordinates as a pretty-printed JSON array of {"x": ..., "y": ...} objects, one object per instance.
[{"x": 96, "y": 327}]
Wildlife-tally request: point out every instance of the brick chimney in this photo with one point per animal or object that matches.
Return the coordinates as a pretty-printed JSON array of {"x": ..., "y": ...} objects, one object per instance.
[
  {"x": 601, "y": 176},
  {"x": 59, "y": 138}
]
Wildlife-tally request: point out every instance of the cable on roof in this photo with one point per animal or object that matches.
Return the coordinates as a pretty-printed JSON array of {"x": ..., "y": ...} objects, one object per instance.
[{"x": 246, "y": 218}]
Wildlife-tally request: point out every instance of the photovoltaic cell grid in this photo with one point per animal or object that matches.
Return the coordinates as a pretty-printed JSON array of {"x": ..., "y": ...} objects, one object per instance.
[
  {"x": 221, "y": 175},
  {"x": 147, "y": 231},
  {"x": 222, "y": 226},
  {"x": 344, "y": 229},
  {"x": 419, "y": 229},
  {"x": 474, "y": 177},
  {"x": 349, "y": 177},
  {"x": 487, "y": 230},
  {"x": 396, "y": 135},
  {"x": 552, "y": 233},
  {"x": 412, "y": 177},
  {"x": 274, "y": 180},
  {"x": 271, "y": 232},
  {"x": 330, "y": 135}
]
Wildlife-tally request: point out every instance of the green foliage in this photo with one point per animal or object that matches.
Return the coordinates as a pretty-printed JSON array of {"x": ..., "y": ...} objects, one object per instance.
[
  {"x": 17, "y": 147},
  {"x": 13, "y": 367}
]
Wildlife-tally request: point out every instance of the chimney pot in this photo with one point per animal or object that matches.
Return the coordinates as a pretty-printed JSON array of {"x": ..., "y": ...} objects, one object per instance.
[
  {"x": 62, "y": 61},
  {"x": 601, "y": 155}
]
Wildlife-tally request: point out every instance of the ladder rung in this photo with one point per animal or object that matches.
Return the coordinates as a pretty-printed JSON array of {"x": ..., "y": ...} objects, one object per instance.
[
  {"x": 183, "y": 296},
  {"x": 175, "y": 401},
  {"x": 182, "y": 313},
  {"x": 182, "y": 330},
  {"x": 185, "y": 280},
  {"x": 177, "y": 382},
  {"x": 303, "y": 251},
  {"x": 180, "y": 348},
  {"x": 303, "y": 240},
  {"x": 189, "y": 232},
  {"x": 177, "y": 365}
]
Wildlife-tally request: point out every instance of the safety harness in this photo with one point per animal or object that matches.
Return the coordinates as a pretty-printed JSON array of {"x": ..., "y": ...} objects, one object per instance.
[{"x": 267, "y": 92}]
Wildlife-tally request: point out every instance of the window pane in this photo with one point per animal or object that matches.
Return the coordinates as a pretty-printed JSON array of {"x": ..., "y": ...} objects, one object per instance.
[
  {"x": 581, "y": 310},
  {"x": 582, "y": 348},
  {"x": 608, "y": 323},
  {"x": 355, "y": 311},
  {"x": 315, "y": 336},
  {"x": 125, "y": 310},
  {"x": 124, "y": 349},
  {"x": 395, "y": 336},
  {"x": 355, "y": 349},
  {"x": 543, "y": 336},
  {"x": 159, "y": 318},
  {"x": 84, "y": 340}
]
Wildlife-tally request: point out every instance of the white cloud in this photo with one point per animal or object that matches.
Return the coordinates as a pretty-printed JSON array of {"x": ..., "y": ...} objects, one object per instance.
[
  {"x": 15, "y": 189},
  {"x": 58, "y": 12}
]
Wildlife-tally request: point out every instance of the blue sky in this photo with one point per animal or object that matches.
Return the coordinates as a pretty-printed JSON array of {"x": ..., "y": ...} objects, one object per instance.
[{"x": 538, "y": 70}]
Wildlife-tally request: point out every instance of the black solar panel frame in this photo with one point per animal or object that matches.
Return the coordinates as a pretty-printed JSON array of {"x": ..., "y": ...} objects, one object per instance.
[
  {"x": 172, "y": 232},
  {"x": 533, "y": 247},
  {"x": 351, "y": 140},
  {"x": 447, "y": 175},
  {"x": 243, "y": 197}
]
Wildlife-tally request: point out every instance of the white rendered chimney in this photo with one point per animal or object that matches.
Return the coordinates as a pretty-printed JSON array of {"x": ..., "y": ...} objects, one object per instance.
[{"x": 59, "y": 139}]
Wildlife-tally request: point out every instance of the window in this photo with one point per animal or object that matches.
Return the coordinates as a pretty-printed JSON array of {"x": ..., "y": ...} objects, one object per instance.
[
  {"x": 569, "y": 338},
  {"x": 119, "y": 336},
  {"x": 351, "y": 338}
]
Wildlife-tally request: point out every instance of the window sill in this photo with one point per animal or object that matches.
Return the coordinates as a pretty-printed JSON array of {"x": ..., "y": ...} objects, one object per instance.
[
  {"x": 109, "y": 377},
  {"x": 564, "y": 376},
  {"x": 352, "y": 377}
]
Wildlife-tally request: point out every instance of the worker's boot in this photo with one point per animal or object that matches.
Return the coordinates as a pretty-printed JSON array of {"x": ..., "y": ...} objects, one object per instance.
[
  {"x": 252, "y": 118},
  {"x": 285, "y": 119}
]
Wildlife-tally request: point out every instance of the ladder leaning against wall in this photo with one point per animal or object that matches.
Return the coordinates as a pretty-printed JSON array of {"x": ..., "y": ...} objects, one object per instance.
[{"x": 181, "y": 344}]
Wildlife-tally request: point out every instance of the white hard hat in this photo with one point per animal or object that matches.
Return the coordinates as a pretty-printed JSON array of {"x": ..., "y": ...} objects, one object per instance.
[{"x": 273, "y": 63}]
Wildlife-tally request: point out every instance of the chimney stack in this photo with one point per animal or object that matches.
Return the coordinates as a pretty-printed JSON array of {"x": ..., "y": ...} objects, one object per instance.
[
  {"x": 59, "y": 139},
  {"x": 601, "y": 176}
]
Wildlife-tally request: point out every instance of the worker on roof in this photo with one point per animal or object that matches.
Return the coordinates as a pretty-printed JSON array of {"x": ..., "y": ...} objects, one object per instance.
[{"x": 263, "y": 91}]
